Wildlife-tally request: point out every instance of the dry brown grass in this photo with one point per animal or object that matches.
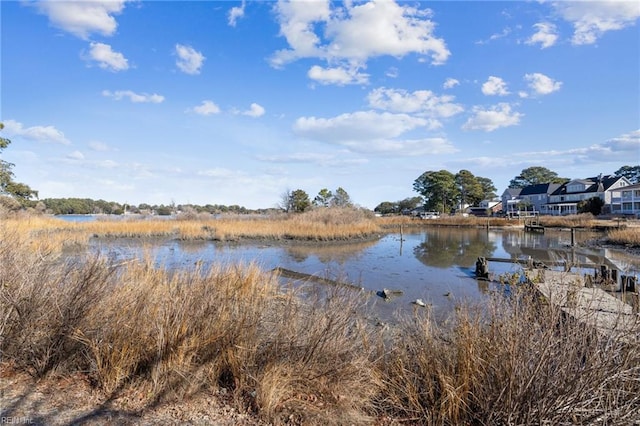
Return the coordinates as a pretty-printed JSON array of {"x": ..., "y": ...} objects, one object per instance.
[
  {"x": 511, "y": 363},
  {"x": 173, "y": 334},
  {"x": 457, "y": 221},
  {"x": 628, "y": 236},
  {"x": 585, "y": 220},
  {"x": 317, "y": 225},
  {"x": 309, "y": 359}
]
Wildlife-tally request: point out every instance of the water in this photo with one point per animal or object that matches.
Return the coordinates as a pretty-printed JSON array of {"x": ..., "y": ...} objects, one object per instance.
[
  {"x": 76, "y": 217},
  {"x": 436, "y": 265}
]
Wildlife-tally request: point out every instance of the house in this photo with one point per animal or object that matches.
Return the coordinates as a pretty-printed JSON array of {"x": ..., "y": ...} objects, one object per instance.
[
  {"x": 565, "y": 199},
  {"x": 486, "y": 208},
  {"x": 510, "y": 199},
  {"x": 626, "y": 200},
  {"x": 536, "y": 197}
]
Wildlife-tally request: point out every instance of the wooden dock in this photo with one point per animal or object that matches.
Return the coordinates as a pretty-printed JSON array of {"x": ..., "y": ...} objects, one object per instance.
[
  {"x": 532, "y": 224},
  {"x": 590, "y": 305}
]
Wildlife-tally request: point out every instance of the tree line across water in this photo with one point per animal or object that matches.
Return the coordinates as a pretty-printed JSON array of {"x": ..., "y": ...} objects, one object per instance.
[
  {"x": 444, "y": 191},
  {"x": 440, "y": 191}
]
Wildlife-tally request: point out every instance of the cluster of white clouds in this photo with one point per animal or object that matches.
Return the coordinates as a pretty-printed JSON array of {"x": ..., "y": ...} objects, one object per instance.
[
  {"x": 538, "y": 83},
  {"x": 35, "y": 133},
  {"x": 546, "y": 35},
  {"x": 386, "y": 127},
  {"x": 591, "y": 19},
  {"x": 190, "y": 61},
  {"x": 345, "y": 36},
  {"x": 208, "y": 107},
  {"x": 133, "y": 96},
  {"x": 86, "y": 18}
]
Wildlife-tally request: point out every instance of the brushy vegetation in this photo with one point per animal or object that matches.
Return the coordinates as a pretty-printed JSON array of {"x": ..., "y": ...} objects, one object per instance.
[
  {"x": 318, "y": 225},
  {"x": 303, "y": 360},
  {"x": 445, "y": 220},
  {"x": 627, "y": 237},
  {"x": 584, "y": 220}
]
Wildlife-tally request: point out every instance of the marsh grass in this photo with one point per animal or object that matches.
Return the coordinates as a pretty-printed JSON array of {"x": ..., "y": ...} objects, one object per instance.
[
  {"x": 628, "y": 236},
  {"x": 317, "y": 225},
  {"x": 454, "y": 221},
  {"x": 584, "y": 220},
  {"x": 312, "y": 359},
  {"x": 511, "y": 363},
  {"x": 172, "y": 334}
]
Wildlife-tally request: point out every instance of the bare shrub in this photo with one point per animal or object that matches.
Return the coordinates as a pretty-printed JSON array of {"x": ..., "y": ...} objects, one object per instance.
[
  {"x": 44, "y": 302},
  {"x": 583, "y": 220},
  {"x": 512, "y": 363},
  {"x": 316, "y": 369},
  {"x": 628, "y": 236}
]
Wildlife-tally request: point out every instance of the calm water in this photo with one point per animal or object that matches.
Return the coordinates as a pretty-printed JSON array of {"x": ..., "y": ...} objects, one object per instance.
[{"x": 435, "y": 265}]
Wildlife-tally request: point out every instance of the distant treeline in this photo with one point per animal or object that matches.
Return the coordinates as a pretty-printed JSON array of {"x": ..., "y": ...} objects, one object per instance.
[{"x": 89, "y": 206}]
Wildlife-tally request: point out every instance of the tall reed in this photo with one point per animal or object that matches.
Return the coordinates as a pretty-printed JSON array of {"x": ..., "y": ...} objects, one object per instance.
[
  {"x": 309, "y": 358},
  {"x": 512, "y": 362},
  {"x": 628, "y": 236}
]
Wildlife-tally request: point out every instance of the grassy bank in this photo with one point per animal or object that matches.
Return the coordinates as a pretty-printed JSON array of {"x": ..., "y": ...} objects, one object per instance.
[
  {"x": 584, "y": 221},
  {"x": 172, "y": 335},
  {"x": 626, "y": 237},
  {"x": 317, "y": 225}
]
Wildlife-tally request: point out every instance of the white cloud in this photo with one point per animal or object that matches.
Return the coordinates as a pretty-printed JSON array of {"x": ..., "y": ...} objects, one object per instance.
[
  {"x": 497, "y": 116},
  {"x": 546, "y": 35},
  {"x": 627, "y": 143},
  {"x": 206, "y": 108},
  {"x": 189, "y": 60},
  {"x": 75, "y": 155},
  {"x": 324, "y": 160},
  {"x": 505, "y": 32},
  {"x": 255, "y": 110},
  {"x": 392, "y": 72},
  {"x": 450, "y": 83},
  {"x": 495, "y": 86},
  {"x": 133, "y": 97},
  {"x": 107, "y": 164},
  {"x": 423, "y": 103},
  {"x": 338, "y": 75},
  {"x": 373, "y": 133},
  {"x": 361, "y": 125},
  {"x": 98, "y": 146},
  {"x": 82, "y": 18},
  {"x": 402, "y": 147},
  {"x": 541, "y": 84},
  {"x": 618, "y": 149},
  {"x": 591, "y": 19},
  {"x": 35, "y": 133},
  {"x": 348, "y": 35},
  {"x": 107, "y": 58},
  {"x": 218, "y": 172},
  {"x": 236, "y": 13}
]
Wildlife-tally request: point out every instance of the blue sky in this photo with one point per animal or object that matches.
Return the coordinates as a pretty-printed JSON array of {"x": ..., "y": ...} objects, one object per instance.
[{"x": 220, "y": 102}]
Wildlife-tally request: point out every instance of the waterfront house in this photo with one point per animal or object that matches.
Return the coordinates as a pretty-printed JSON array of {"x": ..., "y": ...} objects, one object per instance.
[
  {"x": 486, "y": 208},
  {"x": 510, "y": 199},
  {"x": 626, "y": 200},
  {"x": 536, "y": 197},
  {"x": 565, "y": 199}
]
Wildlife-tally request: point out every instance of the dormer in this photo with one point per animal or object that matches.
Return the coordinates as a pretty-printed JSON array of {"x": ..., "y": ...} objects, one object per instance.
[{"x": 578, "y": 185}]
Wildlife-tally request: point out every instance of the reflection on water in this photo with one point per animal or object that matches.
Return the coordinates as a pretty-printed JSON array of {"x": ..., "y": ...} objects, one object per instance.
[
  {"x": 445, "y": 247},
  {"x": 435, "y": 265}
]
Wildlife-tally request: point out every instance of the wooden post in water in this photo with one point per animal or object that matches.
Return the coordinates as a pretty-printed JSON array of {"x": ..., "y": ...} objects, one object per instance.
[
  {"x": 482, "y": 268},
  {"x": 573, "y": 237},
  {"x": 635, "y": 303}
]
